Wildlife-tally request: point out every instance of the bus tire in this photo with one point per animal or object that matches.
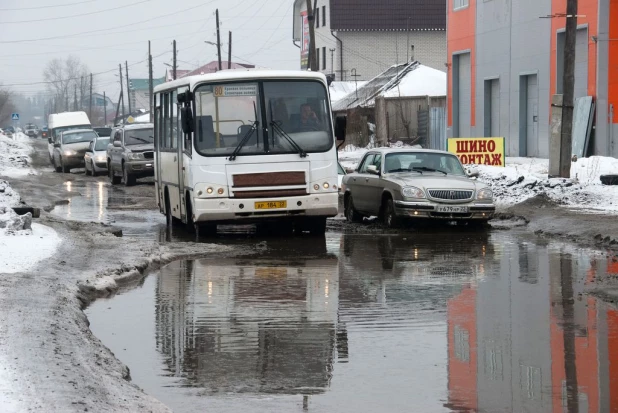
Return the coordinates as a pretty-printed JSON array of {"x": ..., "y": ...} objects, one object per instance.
[{"x": 317, "y": 226}]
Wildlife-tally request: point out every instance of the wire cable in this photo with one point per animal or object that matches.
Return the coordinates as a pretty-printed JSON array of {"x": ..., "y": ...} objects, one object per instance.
[
  {"x": 48, "y": 7},
  {"x": 76, "y": 15}
]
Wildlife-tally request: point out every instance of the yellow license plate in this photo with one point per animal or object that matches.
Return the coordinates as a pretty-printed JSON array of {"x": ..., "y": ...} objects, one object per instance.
[
  {"x": 271, "y": 205},
  {"x": 273, "y": 272}
]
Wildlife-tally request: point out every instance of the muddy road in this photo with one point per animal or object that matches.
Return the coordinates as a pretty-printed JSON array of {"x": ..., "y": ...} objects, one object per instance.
[{"x": 130, "y": 316}]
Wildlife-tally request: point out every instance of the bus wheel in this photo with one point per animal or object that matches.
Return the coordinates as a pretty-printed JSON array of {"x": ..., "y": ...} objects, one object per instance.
[{"x": 317, "y": 226}]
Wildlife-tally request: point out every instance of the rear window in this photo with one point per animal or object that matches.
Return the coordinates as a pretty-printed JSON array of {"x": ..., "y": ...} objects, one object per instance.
[
  {"x": 101, "y": 144},
  {"x": 77, "y": 137}
]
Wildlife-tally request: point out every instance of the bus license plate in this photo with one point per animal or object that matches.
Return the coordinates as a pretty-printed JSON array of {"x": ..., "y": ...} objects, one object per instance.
[{"x": 271, "y": 205}]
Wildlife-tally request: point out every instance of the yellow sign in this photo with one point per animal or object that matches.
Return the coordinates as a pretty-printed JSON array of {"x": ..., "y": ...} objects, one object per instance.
[
  {"x": 271, "y": 205},
  {"x": 480, "y": 151}
]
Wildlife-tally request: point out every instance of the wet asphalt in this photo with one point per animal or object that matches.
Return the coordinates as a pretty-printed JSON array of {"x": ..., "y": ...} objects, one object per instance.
[{"x": 438, "y": 320}]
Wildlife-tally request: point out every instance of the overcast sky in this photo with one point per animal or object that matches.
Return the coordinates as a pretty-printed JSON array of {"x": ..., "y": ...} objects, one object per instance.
[{"x": 112, "y": 31}]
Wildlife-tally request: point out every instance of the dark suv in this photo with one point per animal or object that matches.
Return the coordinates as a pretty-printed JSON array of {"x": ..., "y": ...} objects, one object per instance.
[{"x": 130, "y": 154}]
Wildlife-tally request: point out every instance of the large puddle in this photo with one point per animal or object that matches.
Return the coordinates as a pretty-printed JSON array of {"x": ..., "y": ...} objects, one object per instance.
[{"x": 376, "y": 323}]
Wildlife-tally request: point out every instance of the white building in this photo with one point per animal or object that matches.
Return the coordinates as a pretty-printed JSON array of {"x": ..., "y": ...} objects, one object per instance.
[{"x": 359, "y": 39}]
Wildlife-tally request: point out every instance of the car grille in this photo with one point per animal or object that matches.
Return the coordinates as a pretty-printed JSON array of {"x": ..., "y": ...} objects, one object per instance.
[
  {"x": 450, "y": 194},
  {"x": 148, "y": 155}
]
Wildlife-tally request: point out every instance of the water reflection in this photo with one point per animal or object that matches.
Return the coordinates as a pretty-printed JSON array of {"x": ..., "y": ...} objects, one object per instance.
[
  {"x": 528, "y": 339},
  {"x": 239, "y": 325}
]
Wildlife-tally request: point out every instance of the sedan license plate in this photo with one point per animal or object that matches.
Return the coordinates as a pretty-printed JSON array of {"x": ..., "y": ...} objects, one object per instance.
[
  {"x": 452, "y": 209},
  {"x": 271, "y": 205}
]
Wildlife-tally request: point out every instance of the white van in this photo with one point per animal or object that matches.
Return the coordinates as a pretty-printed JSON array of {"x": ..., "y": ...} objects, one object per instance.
[{"x": 60, "y": 122}]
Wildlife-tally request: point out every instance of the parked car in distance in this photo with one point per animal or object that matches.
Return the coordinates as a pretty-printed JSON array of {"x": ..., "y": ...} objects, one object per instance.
[
  {"x": 70, "y": 147},
  {"x": 9, "y": 131},
  {"x": 398, "y": 184},
  {"x": 103, "y": 131},
  {"x": 31, "y": 130},
  {"x": 130, "y": 154},
  {"x": 61, "y": 122},
  {"x": 95, "y": 158}
]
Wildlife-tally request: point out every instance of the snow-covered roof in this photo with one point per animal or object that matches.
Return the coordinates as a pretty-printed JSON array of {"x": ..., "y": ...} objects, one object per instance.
[
  {"x": 339, "y": 90},
  {"x": 402, "y": 80}
]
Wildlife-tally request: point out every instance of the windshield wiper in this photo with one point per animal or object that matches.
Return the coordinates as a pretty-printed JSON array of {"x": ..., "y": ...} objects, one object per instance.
[
  {"x": 424, "y": 168},
  {"x": 275, "y": 126},
  {"x": 254, "y": 126},
  {"x": 142, "y": 139}
]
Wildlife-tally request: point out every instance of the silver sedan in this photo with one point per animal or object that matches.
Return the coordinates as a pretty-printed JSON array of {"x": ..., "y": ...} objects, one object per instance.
[
  {"x": 95, "y": 158},
  {"x": 397, "y": 184}
]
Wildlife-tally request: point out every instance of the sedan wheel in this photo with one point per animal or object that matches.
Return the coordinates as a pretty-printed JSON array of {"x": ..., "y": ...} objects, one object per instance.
[
  {"x": 391, "y": 220},
  {"x": 351, "y": 213}
]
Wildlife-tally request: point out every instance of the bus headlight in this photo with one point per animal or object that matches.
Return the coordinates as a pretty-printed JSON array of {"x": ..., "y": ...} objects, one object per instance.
[
  {"x": 220, "y": 191},
  {"x": 326, "y": 185},
  {"x": 209, "y": 190},
  {"x": 316, "y": 187}
]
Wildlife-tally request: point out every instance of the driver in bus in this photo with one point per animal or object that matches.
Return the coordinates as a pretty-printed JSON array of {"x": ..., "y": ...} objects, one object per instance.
[{"x": 308, "y": 119}]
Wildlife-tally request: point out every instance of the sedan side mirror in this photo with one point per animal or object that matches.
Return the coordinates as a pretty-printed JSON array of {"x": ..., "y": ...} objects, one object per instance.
[
  {"x": 117, "y": 144},
  {"x": 473, "y": 173},
  {"x": 373, "y": 170}
]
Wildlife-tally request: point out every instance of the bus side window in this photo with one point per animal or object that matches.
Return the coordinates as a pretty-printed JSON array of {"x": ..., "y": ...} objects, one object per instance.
[
  {"x": 166, "y": 121},
  {"x": 173, "y": 120},
  {"x": 187, "y": 138}
]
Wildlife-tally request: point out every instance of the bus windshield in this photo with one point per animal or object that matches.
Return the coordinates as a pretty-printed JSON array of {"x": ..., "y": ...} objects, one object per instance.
[{"x": 280, "y": 117}]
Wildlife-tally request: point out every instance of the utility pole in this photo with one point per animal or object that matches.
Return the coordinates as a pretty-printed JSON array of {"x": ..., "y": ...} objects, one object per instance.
[
  {"x": 104, "y": 109},
  {"x": 218, "y": 40},
  {"x": 311, "y": 21},
  {"x": 126, "y": 65},
  {"x": 174, "y": 67},
  {"x": 75, "y": 98},
  {"x": 90, "y": 105},
  {"x": 229, "y": 52},
  {"x": 332, "y": 60},
  {"x": 121, "y": 88},
  {"x": 66, "y": 96},
  {"x": 150, "y": 97},
  {"x": 355, "y": 76},
  {"x": 568, "y": 89}
]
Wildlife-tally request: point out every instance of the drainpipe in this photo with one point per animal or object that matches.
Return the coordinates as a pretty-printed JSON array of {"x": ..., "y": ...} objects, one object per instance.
[
  {"x": 610, "y": 140},
  {"x": 340, "y": 54},
  {"x": 294, "y": 43}
]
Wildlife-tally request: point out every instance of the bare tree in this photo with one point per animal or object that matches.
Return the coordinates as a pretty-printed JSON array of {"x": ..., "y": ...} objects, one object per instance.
[
  {"x": 6, "y": 106},
  {"x": 64, "y": 76}
]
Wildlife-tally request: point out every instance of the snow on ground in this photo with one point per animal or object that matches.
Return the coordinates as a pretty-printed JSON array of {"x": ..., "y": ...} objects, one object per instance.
[
  {"x": 524, "y": 178},
  {"x": 14, "y": 155},
  {"x": 21, "y": 252},
  {"x": 8, "y": 394}
]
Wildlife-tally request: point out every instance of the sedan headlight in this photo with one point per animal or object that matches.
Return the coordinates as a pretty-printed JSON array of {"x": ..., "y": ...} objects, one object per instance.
[
  {"x": 69, "y": 153},
  {"x": 485, "y": 193},
  {"x": 412, "y": 192},
  {"x": 100, "y": 158},
  {"x": 135, "y": 156}
]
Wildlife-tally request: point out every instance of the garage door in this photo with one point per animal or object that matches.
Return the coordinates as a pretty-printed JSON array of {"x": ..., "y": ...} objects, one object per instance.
[
  {"x": 465, "y": 100},
  {"x": 495, "y": 107},
  {"x": 532, "y": 116},
  {"x": 581, "y": 63}
]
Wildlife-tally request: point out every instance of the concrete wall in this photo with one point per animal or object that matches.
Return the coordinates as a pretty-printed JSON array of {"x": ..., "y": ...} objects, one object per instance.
[
  {"x": 370, "y": 53},
  {"x": 512, "y": 41}
]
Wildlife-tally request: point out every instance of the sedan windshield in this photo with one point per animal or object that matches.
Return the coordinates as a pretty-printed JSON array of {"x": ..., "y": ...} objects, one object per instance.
[
  {"x": 101, "y": 144},
  {"x": 77, "y": 137},
  {"x": 138, "y": 136},
  {"x": 423, "y": 162},
  {"x": 273, "y": 117}
]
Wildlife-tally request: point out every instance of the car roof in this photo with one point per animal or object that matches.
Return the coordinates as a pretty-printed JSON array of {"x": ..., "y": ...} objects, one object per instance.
[{"x": 385, "y": 151}]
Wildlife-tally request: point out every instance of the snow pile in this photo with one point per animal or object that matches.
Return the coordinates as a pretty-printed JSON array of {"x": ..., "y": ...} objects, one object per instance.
[
  {"x": 10, "y": 222},
  {"x": 524, "y": 178},
  {"x": 14, "y": 155},
  {"x": 422, "y": 81}
]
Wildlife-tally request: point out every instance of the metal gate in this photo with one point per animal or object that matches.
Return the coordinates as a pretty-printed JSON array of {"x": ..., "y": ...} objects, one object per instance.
[
  {"x": 437, "y": 129},
  {"x": 422, "y": 127}
]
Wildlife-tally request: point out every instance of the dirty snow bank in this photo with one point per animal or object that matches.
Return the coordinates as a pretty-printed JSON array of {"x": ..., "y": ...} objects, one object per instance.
[
  {"x": 15, "y": 155},
  {"x": 22, "y": 243},
  {"x": 8, "y": 394},
  {"x": 524, "y": 178}
]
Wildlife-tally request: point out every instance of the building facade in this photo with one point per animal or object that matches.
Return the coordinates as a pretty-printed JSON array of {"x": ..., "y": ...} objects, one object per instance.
[
  {"x": 357, "y": 39},
  {"x": 505, "y": 61}
]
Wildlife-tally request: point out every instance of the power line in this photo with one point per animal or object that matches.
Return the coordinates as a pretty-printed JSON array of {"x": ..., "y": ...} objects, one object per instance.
[
  {"x": 76, "y": 15},
  {"x": 106, "y": 29},
  {"x": 49, "y": 7},
  {"x": 273, "y": 33}
]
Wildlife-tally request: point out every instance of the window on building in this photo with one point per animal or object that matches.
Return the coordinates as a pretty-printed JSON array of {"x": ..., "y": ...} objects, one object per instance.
[
  {"x": 317, "y": 57},
  {"x": 317, "y": 17},
  {"x": 323, "y": 15},
  {"x": 324, "y": 58},
  {"x": 460, "y": 4}
]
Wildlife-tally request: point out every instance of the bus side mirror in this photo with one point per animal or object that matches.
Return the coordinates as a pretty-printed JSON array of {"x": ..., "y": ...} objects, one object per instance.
[
  {"x": 340, "y": 128},
  {"x": 187, "y": 120}
]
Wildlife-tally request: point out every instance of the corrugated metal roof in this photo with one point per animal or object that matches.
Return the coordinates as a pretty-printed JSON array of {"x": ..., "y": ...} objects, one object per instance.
[
  {"x": 366, "y": 94},
  {"x": 359, "y": 15}
]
